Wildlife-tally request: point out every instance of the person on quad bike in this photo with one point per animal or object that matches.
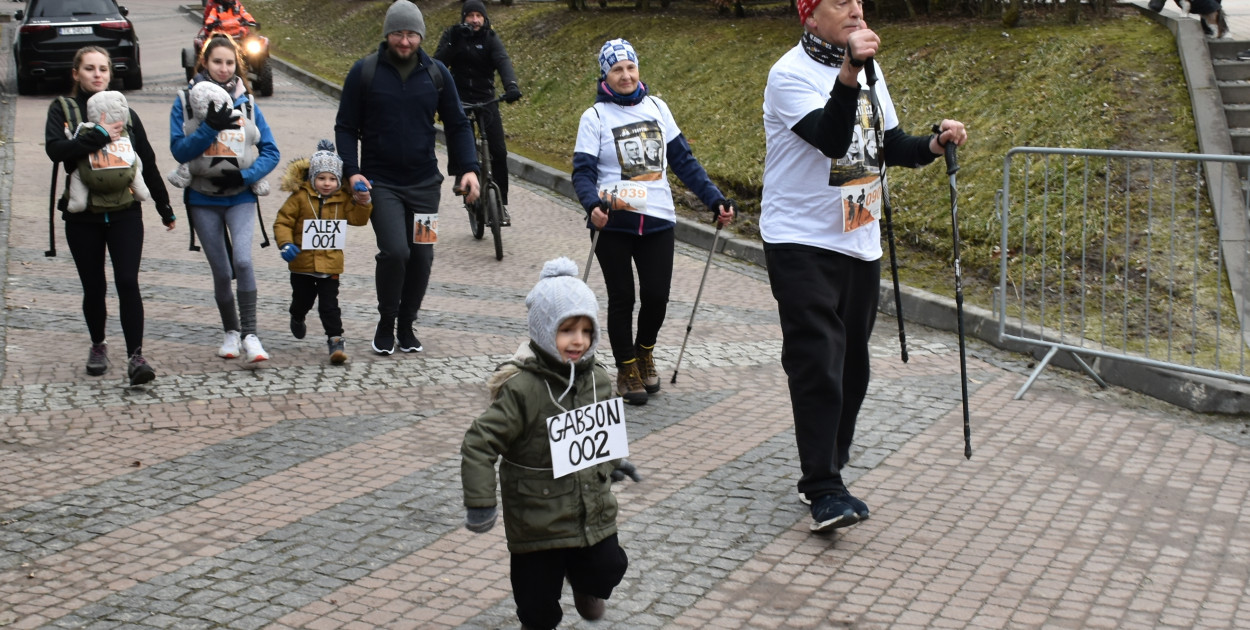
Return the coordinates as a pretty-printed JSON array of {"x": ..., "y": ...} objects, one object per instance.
[{"x": 227, "y": 16}]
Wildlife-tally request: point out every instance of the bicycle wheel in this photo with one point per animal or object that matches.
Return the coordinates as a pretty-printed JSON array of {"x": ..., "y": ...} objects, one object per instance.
[
  {"x": 475, "y": 220},
  {"x": 494, "y": 216}
]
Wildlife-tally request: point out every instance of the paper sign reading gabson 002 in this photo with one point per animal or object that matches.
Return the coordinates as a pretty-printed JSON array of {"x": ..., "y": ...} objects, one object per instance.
[
  {"x": 324, "y": 234},
  {"x": 586, "y": 436}
]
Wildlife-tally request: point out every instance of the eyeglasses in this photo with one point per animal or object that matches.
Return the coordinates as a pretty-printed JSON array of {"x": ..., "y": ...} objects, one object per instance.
[{"x": 408, "y": 35}]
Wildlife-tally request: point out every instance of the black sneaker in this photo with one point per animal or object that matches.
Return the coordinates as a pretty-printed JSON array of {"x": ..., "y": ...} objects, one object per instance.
[
  {"x": 338, "y": 353},
  {"x": 408, "y": 341},
  {"x": 831, "y": 511},
  {"x": 861, "y": 508},
  {"x": 507, "y": 218},
  {"x": 298, "y": 328},
  {"x": 384, "y": 336},
  {"x": 1244, "y": 55},
  {"x": 138, "y": 369},
  {"x": 98, "y": 359}
]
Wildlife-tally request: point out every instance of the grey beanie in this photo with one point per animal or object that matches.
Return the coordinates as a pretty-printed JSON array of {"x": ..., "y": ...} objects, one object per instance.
[
  {"x": 325, "y": 160},
  {"x": 403, "y": 16},
  {"x": 559, "y": 295}
]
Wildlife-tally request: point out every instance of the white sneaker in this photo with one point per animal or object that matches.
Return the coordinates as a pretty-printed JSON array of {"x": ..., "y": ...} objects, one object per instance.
[
  {"x": 253, "y": 350},
  {"x": 230, "y": 347}
]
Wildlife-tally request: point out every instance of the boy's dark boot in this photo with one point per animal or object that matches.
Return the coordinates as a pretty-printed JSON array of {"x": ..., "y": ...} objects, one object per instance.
[
  {"x": 629, "y": 383},
  {"x": 646, "y": 367},
  {"x": 588, "y": 606}
]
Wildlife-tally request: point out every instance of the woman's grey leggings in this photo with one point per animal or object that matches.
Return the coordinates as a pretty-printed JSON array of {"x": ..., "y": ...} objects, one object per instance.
[{"x": 211, "y": 224}]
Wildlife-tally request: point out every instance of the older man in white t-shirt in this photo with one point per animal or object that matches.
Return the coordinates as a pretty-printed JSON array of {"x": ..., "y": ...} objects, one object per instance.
[{"x": 822, "y": 237}]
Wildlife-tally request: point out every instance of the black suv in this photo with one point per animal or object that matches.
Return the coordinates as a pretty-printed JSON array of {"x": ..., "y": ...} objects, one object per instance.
[{"x": 51, "y": 31}]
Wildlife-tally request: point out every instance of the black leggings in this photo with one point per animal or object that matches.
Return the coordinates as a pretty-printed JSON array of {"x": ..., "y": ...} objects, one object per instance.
[
  {"x": 122, "y": 237},
  {"x": 652, "y": 254}
]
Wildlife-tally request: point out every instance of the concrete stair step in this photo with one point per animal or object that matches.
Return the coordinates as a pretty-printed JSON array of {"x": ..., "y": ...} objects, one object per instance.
[
  {"x": 1231, "y": 69},
  {"x": 1241, "y": 140},
  {"x": 1234, "y": 91},
  {"x": 1226, "y": 48},
  {"x": 1238, "y": 115}
]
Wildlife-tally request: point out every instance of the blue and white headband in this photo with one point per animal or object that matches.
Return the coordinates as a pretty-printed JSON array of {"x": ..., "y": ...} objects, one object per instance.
[{"x": 615, "y": 51}]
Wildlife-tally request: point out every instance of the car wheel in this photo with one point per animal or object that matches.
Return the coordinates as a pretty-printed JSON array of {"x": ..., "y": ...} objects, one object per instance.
[
  {"x": 25, "y": 85},
  {"x": 264, "y": 80},
  {"x": 134, "y": 80}
]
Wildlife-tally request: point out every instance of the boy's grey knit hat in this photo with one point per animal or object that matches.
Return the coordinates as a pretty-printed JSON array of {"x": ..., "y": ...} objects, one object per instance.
[
  {"x": 403, "y": 16},
  {"x": 325, "y": 160},
  {"x": 559, "y": 295}
]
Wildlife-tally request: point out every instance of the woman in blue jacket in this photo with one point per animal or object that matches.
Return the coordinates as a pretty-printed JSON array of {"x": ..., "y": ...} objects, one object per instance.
[{"x": 224, "y": 201}]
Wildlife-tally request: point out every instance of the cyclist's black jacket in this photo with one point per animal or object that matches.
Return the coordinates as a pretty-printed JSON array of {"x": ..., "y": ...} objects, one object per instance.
[{"x": 473, "y": 58}]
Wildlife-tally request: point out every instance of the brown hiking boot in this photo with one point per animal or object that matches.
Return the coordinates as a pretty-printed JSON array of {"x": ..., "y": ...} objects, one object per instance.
[
  {"x": 629, "y": 383},
  {"x": 588, "y": 606},
  {"x": 646, "y": 367}
]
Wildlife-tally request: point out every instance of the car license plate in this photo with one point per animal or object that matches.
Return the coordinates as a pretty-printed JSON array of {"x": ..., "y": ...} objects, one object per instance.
[{"x": 75, "y": 30}]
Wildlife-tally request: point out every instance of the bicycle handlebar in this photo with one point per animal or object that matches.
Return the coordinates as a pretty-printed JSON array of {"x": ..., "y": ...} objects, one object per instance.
[{"x": 468, "y": 106}]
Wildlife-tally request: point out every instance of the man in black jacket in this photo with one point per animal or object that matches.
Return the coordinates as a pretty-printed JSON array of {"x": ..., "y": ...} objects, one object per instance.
[{"x": 473, "y": 52}]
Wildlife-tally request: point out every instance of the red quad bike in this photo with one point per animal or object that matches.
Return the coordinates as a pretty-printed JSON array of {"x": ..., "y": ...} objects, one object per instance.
[{"x": 255, "y": 49}]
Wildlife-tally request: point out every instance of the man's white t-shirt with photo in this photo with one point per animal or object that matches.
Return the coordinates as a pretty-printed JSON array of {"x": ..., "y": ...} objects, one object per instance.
[{"x": 810, "y": 199}]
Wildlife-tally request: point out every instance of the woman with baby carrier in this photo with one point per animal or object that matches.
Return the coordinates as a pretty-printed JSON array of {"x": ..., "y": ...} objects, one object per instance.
[
  {"x": 103, "y": 156},
  {"x": 222, "y": 199}
]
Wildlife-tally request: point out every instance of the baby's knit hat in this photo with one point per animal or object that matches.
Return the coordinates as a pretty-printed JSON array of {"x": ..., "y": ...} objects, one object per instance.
[
  {"x": 559, "y": 295},
  {"x": 325, "y": 160},
  {"x": 613, "y": 51},
  {"x": 403, "y": 16}
]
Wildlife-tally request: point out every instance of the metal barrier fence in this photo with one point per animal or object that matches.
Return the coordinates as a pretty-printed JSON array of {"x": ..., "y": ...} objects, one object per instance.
[{"x": 1134, "y": 255}]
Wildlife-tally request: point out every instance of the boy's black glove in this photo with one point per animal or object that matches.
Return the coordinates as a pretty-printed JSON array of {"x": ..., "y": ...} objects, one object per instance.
[
  {"x": 480, "y": 520},
  {"x": 220, "y": 118},
  {"x": 512, "y": 94},
  {"x": 229, "y": 179},
  {"x": 626, "y": 469}
]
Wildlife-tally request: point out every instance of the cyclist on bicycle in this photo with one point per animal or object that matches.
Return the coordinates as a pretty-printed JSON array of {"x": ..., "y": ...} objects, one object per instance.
[{"x": 473, "y": 53}]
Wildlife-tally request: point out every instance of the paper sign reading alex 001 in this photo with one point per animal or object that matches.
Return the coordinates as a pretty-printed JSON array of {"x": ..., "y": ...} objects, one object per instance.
[
  {"x": 583, "y": 437},
  {"x": 324, "y": 234}
]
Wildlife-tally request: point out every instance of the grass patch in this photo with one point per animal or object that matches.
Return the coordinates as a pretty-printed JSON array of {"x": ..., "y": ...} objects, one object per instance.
[{"x": 1113, "y": 83}]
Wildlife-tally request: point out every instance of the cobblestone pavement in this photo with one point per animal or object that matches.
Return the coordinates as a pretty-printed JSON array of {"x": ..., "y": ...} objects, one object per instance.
[{"x": 305, "y": 495}]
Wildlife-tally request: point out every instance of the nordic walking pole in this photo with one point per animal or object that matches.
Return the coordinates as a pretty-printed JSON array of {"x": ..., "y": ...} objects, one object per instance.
[
  {"x": 870, "y": 70},
  {"x": 952, "y": 167},
  {"x": 697, "y": 296},
  {"x": 51, "y": 251},
  {"x": 594, "y": 240}
]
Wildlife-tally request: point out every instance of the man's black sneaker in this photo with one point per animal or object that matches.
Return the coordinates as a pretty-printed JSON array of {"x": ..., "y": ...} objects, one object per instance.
[
  {"x": 384, "y": 337},
  {"x": 861, "y": 508},
  {"x": 138, "y": 369},
  {"x": 298, "y": 328},
  {"x": 1244, "y": 55},
  {"x": 98, "y": 359},
  {"x": 408, "y": 341},
  {"x": 507, "y": 218},
  {"x": 831, "y": 511}
]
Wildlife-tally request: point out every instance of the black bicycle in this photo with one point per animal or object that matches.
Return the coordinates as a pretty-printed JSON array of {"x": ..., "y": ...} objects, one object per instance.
[{"x": 487, "y": 211}]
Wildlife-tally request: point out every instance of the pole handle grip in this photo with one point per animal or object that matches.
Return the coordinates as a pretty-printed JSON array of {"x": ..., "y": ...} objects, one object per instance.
[
  {"x": 952, "y": 162},
  {"x": 870, "y": 71}
]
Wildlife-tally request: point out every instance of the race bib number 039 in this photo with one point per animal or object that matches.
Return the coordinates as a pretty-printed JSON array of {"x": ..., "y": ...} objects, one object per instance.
[
  {"x": 624, "y": 196},
  {"x": 586, "y": 436},
  {"x": 324, "y": 234}
]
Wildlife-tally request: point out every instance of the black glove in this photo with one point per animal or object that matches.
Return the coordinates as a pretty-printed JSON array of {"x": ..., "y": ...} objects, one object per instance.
[
  {"x": 95, "y": 138},
  {"x": 167, "y": 216},
  {"x": 480, "y": 520},
  {"x": 227, "y": 180},
  {"x": 729, "y": 204},
  {"x": 626, "y": 469},
  {"x": 221, "y": 118},
  {"x": 512, "y": 94}
]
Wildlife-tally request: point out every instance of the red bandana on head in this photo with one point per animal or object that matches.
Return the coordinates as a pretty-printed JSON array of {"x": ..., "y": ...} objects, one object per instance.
[{"x": 805, "y": 9}]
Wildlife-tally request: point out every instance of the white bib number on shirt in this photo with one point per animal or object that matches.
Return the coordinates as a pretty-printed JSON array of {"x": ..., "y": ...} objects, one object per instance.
[
  {"x": 324, "y": 234},
  {"x": 586, "y": 436},
  {"x": 425, "y": 228},
  {"x": 119, "y": 153},
  {"x": 624, "y": 196}
]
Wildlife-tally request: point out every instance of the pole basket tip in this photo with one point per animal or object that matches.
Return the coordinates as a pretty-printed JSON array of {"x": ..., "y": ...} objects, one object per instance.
[{"x": 673, "y": 381}]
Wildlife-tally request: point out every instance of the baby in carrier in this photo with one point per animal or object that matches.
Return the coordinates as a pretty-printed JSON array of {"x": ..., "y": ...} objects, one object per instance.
[{"x": 109, "y": 179}]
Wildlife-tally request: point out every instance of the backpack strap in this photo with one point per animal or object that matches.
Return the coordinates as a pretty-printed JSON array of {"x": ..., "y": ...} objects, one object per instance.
[{"x": 369, "y": 67}]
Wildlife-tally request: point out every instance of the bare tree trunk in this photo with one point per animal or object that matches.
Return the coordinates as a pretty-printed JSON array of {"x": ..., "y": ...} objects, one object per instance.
[
  {"x": 1011, "y": 17},
  {"x": 1073, "y": 8}
]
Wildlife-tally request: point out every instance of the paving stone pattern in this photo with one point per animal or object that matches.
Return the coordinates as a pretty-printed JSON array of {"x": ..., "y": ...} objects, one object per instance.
[{"x": 298, "y": 494}]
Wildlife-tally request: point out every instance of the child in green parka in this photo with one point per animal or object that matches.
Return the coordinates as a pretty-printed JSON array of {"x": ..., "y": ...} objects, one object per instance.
[{"x": 555, "y": 527}]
